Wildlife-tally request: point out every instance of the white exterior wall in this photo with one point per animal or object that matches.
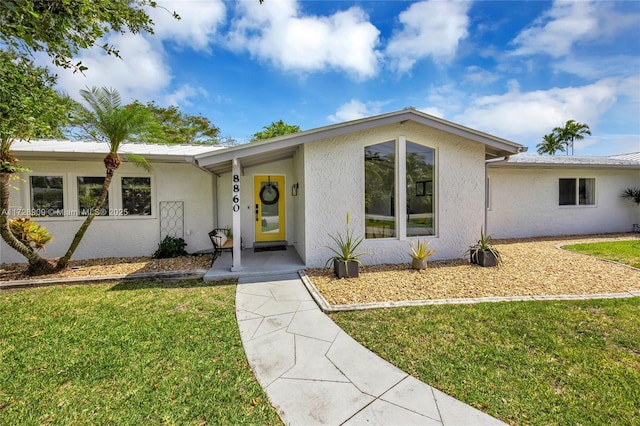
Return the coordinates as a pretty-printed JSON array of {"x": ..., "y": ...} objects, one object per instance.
[
  {"x": 247, "y": 203},
  {"x": 334, "y": 185},
  {"x": 524, "y": 202},
  {"x": 120, "y": 236}
]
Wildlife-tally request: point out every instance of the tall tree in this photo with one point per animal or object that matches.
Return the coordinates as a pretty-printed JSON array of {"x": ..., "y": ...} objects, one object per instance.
[
  {"x": 29, "y": 108},
  {"x": 550, "y": 144},
  {"x": 104, "y": 118},
  {"x": 571, "y": 132},
  {"x": 276, "y": 128},
  {"x": 174, "y": 126},
  {"x": 61, "y": 28}
]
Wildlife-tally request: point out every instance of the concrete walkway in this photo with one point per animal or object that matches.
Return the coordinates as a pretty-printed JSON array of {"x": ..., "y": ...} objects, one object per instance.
[{"x": 314, "y": 373}]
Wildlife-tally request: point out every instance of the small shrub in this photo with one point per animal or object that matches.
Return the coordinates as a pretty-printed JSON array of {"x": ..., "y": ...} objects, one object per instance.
[
  {"x": 30, "y": 233},
  {"x": 170, "y": 247}
]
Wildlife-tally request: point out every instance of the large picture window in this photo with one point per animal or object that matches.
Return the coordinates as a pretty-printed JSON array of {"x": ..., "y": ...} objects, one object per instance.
[
  {"x": 581, "y": 191},
  {"x": 89, "y": 191},
  {"x": 136, "y": 196},
  {"x": 47, "y": 196},
  {"x": 379, "y": 181},
  {"x": 420, "y": 162}
]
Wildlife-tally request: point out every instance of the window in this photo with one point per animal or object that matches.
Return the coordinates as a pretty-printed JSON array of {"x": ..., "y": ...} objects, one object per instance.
[
  {"x": 574, "y": 191},
  {"x": 420, "y": 161},
  {"x": 415, "y": 187},
  {"x": 136, "y": 196},
  {"x": 47, "y": 196},
  {"x": 379, "y": 182},
  {"x": 89, "y": 191}
]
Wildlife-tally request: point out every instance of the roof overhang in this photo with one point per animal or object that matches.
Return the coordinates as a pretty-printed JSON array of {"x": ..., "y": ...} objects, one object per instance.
[
  {"x": 561, "y": 162},
  {"x": 285, "y": 146}
]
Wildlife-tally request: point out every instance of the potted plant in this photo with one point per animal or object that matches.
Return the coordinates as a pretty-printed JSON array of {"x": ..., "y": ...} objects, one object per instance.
[
  {"x": 420, "y": 253},
  {"x": 345, "y": 260},
  {"x": 483, "y": 253}
]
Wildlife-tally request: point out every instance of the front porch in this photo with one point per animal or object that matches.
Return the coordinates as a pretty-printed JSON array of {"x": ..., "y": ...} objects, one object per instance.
[{"x": 263, "y": 263}]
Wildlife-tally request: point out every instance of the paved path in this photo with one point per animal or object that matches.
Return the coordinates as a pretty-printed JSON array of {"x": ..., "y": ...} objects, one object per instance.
[{"x": 314, "y": 373}]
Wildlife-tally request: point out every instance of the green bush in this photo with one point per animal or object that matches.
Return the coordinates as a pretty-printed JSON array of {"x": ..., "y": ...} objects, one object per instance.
[
  {"x": 170, "y": 247},
  {"x": 30, "y": 233}
]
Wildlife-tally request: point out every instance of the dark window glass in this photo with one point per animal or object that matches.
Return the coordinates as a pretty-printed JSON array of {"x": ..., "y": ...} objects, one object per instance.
[
  {"x": 567, "y": 191},
  {"x": 89, "y": 191},
  {"x": 47, "y": 196},
  {"x": 420, "y": 217},
  {"x": 379, "y": 180},
  {"x": 136, "y": 196}
]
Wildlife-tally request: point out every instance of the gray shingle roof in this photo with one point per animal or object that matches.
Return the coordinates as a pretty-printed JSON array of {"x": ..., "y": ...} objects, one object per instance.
[{"x": 625, "y": 160}]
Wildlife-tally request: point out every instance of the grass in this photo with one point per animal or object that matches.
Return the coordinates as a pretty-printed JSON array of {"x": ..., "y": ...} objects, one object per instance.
[
  {"x": 132, "y": 353},
  {"x": 627, "y": 252},
  {"x": 551, "y": 363}
]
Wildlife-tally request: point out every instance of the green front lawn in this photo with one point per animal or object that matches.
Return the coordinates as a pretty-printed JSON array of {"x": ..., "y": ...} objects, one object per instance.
[
  {"x": 551, "y": 363},
  {"x": 627, "y": 252},
  {"x": 133, "y": 353}
]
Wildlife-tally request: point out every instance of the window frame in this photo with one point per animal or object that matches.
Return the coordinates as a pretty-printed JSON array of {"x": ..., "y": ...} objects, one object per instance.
[
  {"x": 400, "y": 176},
  {"x": 71, "y": 203},
  {"x": 576, "y": 188},
  {"x": 106, "y": 206},
  {"x": 30, "y": 202},
  {"x": 121, "y": 209}
]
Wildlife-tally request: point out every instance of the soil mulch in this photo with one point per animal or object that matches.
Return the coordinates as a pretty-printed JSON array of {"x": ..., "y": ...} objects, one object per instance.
[
  {"x": 111, "y": 266},
  {"x": 531, "y": 267}
]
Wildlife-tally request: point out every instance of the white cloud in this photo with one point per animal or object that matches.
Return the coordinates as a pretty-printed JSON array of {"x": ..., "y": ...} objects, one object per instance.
[
  {"x": 282, "y": 35},
  {"x": 197, "y": 27},
  {"x": 141, "y": 74},
  {"x": 529, "y": 115},
  {"x": 479, "y": 76},
  {"x": 431, "y": 28},
  {"x": 557, "y": 30},
  {"x": 436, "y": 112},
  {"x": 354, "y": 110}
]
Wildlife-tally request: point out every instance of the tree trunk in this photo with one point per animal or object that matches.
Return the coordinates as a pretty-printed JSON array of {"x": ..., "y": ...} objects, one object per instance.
[
  {"x": 37, "y": 264},
  {"x": 64, "y": 260}
]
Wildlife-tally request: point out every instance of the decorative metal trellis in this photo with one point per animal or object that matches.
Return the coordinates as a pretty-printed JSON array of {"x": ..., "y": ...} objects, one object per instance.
[{"x": 171, "y": 219}]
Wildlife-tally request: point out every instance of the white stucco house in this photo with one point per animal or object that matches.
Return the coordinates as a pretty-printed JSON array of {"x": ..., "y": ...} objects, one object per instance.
[{"x": 401, "y": 176}]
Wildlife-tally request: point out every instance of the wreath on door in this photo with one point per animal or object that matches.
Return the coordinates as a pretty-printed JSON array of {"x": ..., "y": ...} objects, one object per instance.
[{"x": 269, "y": 193}]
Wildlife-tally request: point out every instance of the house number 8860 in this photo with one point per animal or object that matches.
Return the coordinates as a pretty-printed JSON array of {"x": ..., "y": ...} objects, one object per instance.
[{"x": 236, "y": 190}]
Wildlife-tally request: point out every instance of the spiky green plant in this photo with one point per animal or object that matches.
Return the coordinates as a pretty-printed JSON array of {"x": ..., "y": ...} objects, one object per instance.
[
  {"x": 346, "y": 246},
  {"x": 632, "y": 194},
  {"x": 420, "y": 249},
  {"x": 484, "y": 244}
]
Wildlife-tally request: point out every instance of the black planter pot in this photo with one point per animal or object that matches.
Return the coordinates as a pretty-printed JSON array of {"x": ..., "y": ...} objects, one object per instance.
[
  {"x": 344, "y": 269},
  {"x": 484, "y": 258}
]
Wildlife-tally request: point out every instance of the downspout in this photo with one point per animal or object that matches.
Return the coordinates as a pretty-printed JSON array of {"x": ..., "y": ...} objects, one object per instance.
[{"x": 520, "y": 149}]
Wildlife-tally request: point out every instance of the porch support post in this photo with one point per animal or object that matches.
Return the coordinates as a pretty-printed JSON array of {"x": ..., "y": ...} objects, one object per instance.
[
  {"x": 402, "y": 187},
  {"x": 236, "y": 173}
]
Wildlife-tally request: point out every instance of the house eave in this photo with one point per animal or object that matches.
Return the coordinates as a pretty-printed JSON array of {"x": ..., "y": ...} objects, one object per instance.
[{"x": 284, "y": 146}]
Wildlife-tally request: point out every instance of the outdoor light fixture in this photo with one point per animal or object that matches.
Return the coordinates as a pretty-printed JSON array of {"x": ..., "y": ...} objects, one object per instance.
[{"x": 294, "y": 189}]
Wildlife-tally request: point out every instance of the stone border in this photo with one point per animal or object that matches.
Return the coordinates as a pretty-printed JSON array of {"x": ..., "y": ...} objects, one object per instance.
[
  {"x": 196, "y": 273},
  {"x": 326, "y": 307}
]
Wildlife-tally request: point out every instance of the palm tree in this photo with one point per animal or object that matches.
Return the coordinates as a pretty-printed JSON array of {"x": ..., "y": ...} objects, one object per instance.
[
  {"x": 550, "y": 144},
  {"x": 107, "y": 120},
  {"x": 571, "y": 131}
]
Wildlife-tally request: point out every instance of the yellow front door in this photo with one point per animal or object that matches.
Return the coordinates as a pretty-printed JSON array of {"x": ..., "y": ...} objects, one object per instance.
[{"x": 269, "y": 198}]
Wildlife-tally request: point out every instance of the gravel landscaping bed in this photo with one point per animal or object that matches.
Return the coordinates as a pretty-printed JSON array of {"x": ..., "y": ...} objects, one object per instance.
[
  {"x": 112, "y": 266},
  {"x": 531, "y": 267}
]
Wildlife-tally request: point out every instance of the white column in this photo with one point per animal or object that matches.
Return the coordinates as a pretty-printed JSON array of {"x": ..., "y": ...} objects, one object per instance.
[
  {"x": 236, "y": 173},
  {"x": 401, "y": 188}
]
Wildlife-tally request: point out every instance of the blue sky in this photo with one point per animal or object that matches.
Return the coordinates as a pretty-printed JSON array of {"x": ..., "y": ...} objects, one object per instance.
[{"x": 514, "y": 69}]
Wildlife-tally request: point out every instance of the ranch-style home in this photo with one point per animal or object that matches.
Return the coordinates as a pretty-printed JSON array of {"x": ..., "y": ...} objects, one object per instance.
[{"x": 401, "y": 176}]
